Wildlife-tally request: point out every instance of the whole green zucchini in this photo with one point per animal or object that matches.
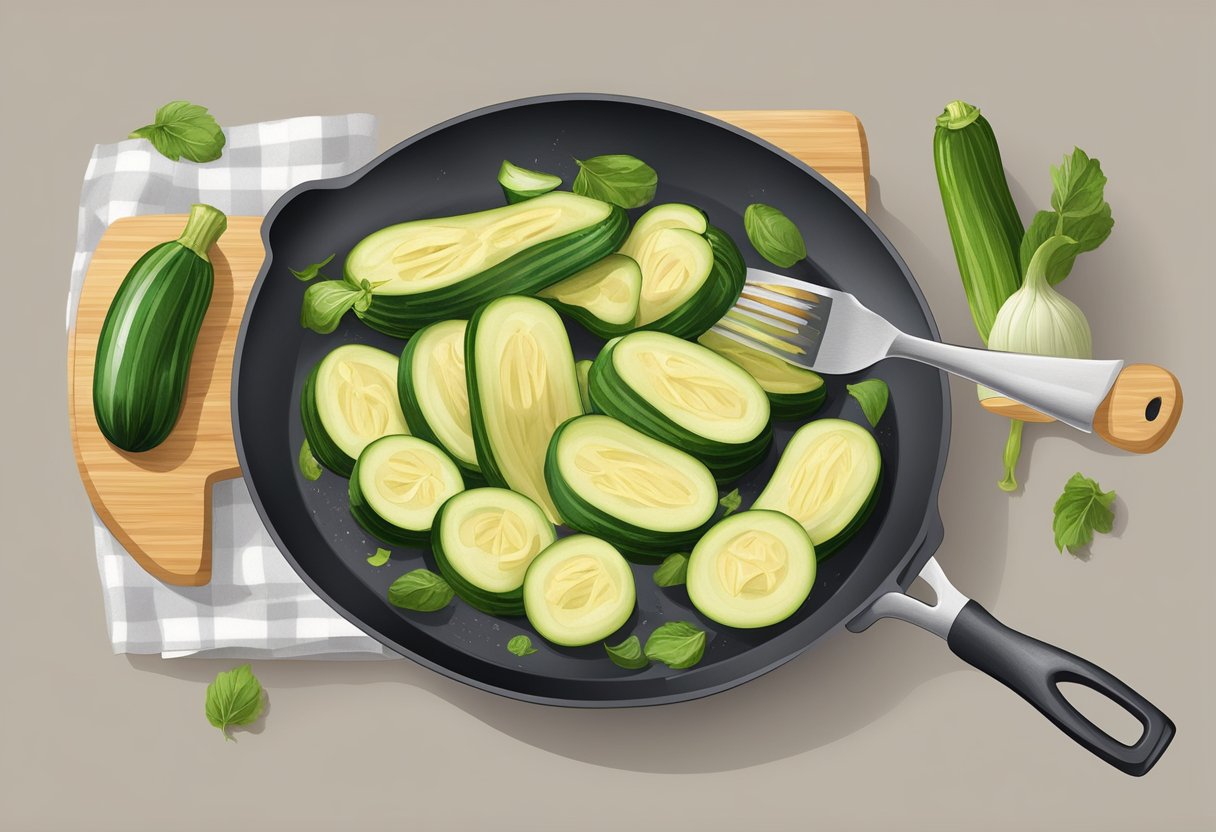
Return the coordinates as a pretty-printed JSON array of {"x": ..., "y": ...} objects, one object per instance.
[
  {"x": 148, "y": 337},
  {"x": 984, "y": 224}
]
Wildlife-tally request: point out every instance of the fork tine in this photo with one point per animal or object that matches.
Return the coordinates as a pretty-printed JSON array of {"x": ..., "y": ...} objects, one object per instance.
[
  {"x": 764, "y": 309},
  {"x": 779, "y": 329},
  {"x": 759, "y": 341},
  {"x": 784, "y": 308}
]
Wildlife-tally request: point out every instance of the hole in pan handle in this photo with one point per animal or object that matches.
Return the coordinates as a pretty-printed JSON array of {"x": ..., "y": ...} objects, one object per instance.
[{"x": 1030, "y": 668}]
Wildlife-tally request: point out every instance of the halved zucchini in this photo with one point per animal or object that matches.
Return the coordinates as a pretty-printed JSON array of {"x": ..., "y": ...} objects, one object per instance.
[
  {"x": 429, "y": 270},
  {"x": 612, "y": 481},
  {"x": 522, "y": 385},
  {"x": 519, "y": 183},
  {"x": 602, "y": 297},
  {"x": 692, "y": 273},
  {"x": 792, "y": 391},
  {"x": 827, "y": 480},
  {"x": 578, "y": 591},
  {"x": 687, "y": 396},
  {"x": 581, "y": 370},
  {"x": 753, "y": 569},
  {"x": 349, "y": 400},
  {"x": 398, "y": 485},
  {"x": 484, "y": 541},
  {"x": 434, "y": 391}
]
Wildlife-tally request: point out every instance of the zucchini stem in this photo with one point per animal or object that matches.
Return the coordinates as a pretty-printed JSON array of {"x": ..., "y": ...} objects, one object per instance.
[
  {"x": 958, "y": 114},
  {"x": 1013, "y": 452},
  {"x": 203, "y": 228}
]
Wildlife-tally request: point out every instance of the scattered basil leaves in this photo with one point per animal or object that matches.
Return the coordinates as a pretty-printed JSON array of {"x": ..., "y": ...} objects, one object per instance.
[
  {"x": 182, "y": 129},
  {"x": 380, "y": 557},
  {"x": 731, "y": 502},
  {"x": 520, "y": 645},
  {"x": 309, "y": 467},
  {"x": 617, "y": 178},
  {"x": 873, "y": 395},
  {"x": 1083, "y": 508},
  {"x": 677, "y": 644},
  {"x": 234, "y": 698},
  {"x": 673, "y": 571},
  {"x": 628, "y": 654},
  {"x": 420, "y": 590},
  {"x": 325, "y": 303},
  {"x": 773, "y": 235},
  {"x": 310, "y": 271}
]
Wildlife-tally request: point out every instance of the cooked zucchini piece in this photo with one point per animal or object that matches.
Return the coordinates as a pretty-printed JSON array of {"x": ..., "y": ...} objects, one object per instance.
[
  {"x": 484, "y": 541},
  {"x": 434, "y": 391},
  {"x": 398, "y": 485},
  {"x": 349, "y": 400},
  {"x": 753, "y": 569},
  {"x": 522, "y": 385},
  {"x": 827, "y": 480},
  {"x": 639, "y": 494},
  {"x": 602, "y": 297},
  {"x": 692, "y": 273},
  {"x": 578, "y": 591},
  {"x": 792, "y": 391},
  {"x": 687, "y": 396},
  {"x": 519, "y": 183},
  {"x": 582, "y": 369},
  {"x": 429, "y": 270}
]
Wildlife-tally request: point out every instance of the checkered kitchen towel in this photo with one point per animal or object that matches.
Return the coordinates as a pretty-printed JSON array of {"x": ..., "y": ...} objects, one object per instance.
[{"x": 255, "y": 606}]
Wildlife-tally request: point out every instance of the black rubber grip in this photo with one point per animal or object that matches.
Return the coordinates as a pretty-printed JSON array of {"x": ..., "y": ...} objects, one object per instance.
[{"x": 1033, "y": 670}]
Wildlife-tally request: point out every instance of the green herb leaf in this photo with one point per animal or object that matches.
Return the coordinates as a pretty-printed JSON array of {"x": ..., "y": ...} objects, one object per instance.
[
  {"x": 380, "y": 557},
  {"x": 184, "y": 129},
  {"x": 676, "y": 644},
  {"x": 1080, "y": 211},
  {"x": 309, "y": 272},
  {"x": 234, "y": 698},
  {"x": 325, "y": 304},
  {"x": 309, "y": 467},
  {"x": 420, "y": 590},
  {"x": 774, "y": 235},
  {"x": 1083, "y": 508},
  {"x": 872, "y": 394},
  {"x": 628, "y": 654},
  {"x": 617, "y": 178},
  {"x": 521, "y": 646},
  {"x": 673, "y": 571},
  {"x": 731, "y": 502}
]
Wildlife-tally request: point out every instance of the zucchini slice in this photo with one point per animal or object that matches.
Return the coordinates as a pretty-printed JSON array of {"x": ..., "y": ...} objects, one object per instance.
[
  {"x": 522, "y": 385},
  {"x": 602, "y": 297},
  {"x": 692, "y": 273},
  {"x": 827, "y": 480},
  {"x": 349, "y": 400},
  {"x": 430, "y": 270},
  {"x": 612, "y": 481},
  {"x": 519, "y": 183},
  {"x": 434, "y": 392},
  {"x": 579, "y": 591},
  {"x": 753, "y": 569},
  {"x": 581, "y": 370},
  {"x": 792, "y": 391},
  {"x": 397, "y": 487},
  {"x": 484, "y": 541},
  {"x": 687, "y": 396}
]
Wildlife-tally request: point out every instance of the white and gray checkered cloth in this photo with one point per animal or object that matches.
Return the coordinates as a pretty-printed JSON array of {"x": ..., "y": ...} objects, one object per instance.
[{"x": 255, "y": 606}]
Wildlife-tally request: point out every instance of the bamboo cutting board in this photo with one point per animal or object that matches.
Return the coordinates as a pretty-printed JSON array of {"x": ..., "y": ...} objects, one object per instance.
[{"x": 158, "y": 503}]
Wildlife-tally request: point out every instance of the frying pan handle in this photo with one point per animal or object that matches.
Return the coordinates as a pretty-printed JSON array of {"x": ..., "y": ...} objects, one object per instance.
[{"x": 1034, "y": 670}]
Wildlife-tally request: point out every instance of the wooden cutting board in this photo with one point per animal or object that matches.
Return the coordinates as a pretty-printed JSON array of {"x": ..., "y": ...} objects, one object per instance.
[{"x": 158, "y": 503}]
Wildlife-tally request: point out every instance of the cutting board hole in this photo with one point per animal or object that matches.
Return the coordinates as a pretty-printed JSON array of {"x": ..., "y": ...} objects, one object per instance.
[
  {"x": 1107, "y": 714},
  {"x": 1153, "y": 409}
]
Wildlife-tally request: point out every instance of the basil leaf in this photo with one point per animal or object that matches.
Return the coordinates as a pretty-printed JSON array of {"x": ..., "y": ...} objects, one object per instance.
[
  {"x": 234, "y": 698},
  {"x": 872, "y": 394},
  {"x": 184, "y": 129},
  {"x": 380, "y": 557},
  {"x": 1080, "y": 211},
  {"x": 773, "y": 235},
  {"x": 617, "y": 178},
  {"x": 521, "y": 646},
  {"x": 1083, "y": 508},
  {"x": 309, "y": 467},
  {"x": 731, "y": 502},
  {"x": 420, "y": 590},
  {"x": 673, "y": 571},
  {"x": 628, "y": 654},
  {"x": 326, "y": 303},
  {"x": 309, "y": 272},
  {"x": 676, "y": 644}
]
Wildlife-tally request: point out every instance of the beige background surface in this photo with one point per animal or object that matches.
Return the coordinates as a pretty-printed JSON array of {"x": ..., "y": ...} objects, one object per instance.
[{"x": 879, "y": 731}]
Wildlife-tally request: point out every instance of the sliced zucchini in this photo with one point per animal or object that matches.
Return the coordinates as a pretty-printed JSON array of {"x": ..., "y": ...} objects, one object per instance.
[
  {"x": 484, "y": 541},
  {"x": 602, "y": 297},
  {"x": 398, "y": 485},
  {"x": 519, "y": 183},
  {"x": 522, "y": 385},
  {"x": 581, "y": 370},
  {"x": 429, "y": 270},
  {"x": 827, "y": 480},
  {"x": 578, "y": 591},
  {"x": 434, "y": 392},
  {"x": 792, "y": 391},
  {"x": 349, "y": 400},
  {"x": 687, "y": 396},
  {"x": 612, "y": 481},
  {"x": 753, "y": 569},
  {"x": 692, "y": 273}
]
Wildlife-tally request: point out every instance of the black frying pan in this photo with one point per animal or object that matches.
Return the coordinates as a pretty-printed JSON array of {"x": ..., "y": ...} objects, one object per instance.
[{"x": 451, "y": 169}]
